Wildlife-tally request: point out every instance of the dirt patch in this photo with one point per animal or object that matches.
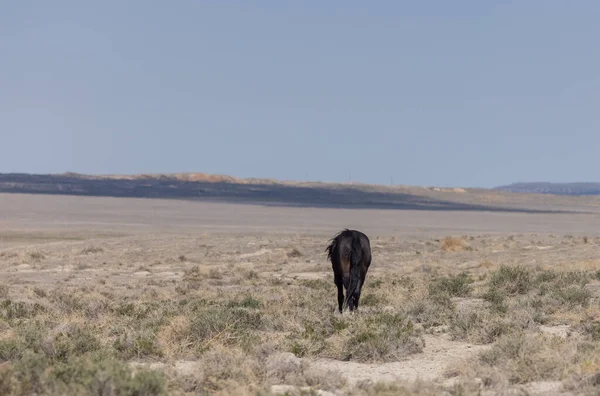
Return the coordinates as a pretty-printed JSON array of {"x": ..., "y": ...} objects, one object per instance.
[{"x": 439, "y": 353}]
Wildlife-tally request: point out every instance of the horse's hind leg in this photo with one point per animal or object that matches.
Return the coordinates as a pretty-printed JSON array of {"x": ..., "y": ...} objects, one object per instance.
[
  {"x": 359, "y": 289},
  {"x": 355, "y": 299},
  {"x": 340, "y": 287}
]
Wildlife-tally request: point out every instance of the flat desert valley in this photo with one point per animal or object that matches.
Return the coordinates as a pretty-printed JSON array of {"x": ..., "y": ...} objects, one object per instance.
[{"x": 128, "y": 296}]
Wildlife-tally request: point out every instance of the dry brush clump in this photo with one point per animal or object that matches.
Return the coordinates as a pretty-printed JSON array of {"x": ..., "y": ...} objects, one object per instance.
[
  {"x": 454, "y": 244},
  {"x": 527, "y": 357},
  {"x": 410, "y": 388},
  {"x": 443, "y": 288},
  {"x": 518, "y": 303},
  {"x": 90, "y": 375},
  {"x": 54, "y": 334},
  {"x": 59, "y": 339},
  {"x": 295, "y": 253},
  {"x": 547, "y": 290},
  {"x": 221, "y": 368},
  {"x": 517, "y": 298},
  {"x": 45, "y": 351},
  {"x": 376, "y": 336},
  {"x": 91, "y": 250}
]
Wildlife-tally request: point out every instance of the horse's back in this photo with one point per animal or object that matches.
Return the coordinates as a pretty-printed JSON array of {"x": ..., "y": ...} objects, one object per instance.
[{"x": 342, "y": 245}]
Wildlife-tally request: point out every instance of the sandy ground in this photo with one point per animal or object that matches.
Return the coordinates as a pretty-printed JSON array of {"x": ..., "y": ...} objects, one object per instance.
[{"x": 33, "y": 215}]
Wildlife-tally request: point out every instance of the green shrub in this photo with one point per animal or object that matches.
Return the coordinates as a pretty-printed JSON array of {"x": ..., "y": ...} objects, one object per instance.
[
  {"x": 512, "y": 280},
  {"x": 36, "y": 374},
  {"x": 383, "y": 337},
  {"x": 454, "y": 286},
  {"x": 228, "y": 326}
]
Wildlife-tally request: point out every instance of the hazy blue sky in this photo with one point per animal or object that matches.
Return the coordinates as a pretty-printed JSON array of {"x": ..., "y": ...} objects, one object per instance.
[{"x": 469, "y": 93}]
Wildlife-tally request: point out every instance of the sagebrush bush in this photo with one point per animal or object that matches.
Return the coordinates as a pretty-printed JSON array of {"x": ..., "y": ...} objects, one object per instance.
[
  {"x": 94, "y": 375},
  {"x": 223, "y": 325},
  {"x": 383, "y": 337},
  {"x": 526, "y": 357},
  {"x": 453, "y": 286},
  {"x": 511, "y": 280}
]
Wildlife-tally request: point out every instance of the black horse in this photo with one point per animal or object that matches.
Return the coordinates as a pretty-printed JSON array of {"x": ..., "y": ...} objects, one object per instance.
[{"x": 350, "y": 256}]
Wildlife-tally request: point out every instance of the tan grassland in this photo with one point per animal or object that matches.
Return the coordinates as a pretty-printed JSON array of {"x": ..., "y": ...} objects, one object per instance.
[{"x": 108, "y": 296}]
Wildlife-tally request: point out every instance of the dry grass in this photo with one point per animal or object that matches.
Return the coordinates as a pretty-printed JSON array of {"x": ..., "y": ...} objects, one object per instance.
[
  {"x": 239, "y": 314},
  {"x": 295, "y": 253},
  {"x": 453, "y": 244},
  {"x": 92, "y": 250}
]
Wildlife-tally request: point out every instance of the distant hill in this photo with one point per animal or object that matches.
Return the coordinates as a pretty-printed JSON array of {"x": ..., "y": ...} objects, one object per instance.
[
  {"x": 575, "y": 189},
  {"x": 206, "y": 187}
]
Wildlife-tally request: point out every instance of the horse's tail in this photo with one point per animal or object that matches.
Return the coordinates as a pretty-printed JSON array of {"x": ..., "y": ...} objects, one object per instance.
[
  {"x": 355, "y": 257},
  {"x": 330, "y": 248},
  {"x": 333, "y": 242}
]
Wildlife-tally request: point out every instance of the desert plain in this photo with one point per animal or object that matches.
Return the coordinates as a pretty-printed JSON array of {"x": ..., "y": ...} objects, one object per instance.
[{"x": 128, "y": 296}]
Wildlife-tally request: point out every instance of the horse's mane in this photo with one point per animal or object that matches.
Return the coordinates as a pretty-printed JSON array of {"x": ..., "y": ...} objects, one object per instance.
[{"x": 333, "y": 243}]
